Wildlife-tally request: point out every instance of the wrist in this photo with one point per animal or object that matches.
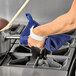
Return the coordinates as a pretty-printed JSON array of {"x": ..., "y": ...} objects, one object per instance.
[{"x": 39, "y": 31}]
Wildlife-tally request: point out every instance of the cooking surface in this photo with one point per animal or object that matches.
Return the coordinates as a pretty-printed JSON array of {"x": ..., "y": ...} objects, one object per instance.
[
  {"x": 18, "y": 62},
  {"x": 22, "y": 60},
  {"x": 16, "y": 71}
]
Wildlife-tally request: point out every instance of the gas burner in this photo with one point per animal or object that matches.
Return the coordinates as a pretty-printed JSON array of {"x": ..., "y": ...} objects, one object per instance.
[
  {"x": 16, "y": 29},
  {"x": 23, "y": 57}
]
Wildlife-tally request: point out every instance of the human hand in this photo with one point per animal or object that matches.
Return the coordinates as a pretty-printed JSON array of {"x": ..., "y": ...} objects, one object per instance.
[{"x": 35, "y": 43}]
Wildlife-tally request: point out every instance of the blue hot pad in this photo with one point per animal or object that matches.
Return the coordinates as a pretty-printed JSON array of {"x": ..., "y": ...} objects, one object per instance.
[
  {"x": 52, "y": 43},
  {"x": 26, "y": 32}
]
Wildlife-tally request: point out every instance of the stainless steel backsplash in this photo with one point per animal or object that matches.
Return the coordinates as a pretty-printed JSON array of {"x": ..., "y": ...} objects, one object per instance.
[{"x": 43, "y": 11}]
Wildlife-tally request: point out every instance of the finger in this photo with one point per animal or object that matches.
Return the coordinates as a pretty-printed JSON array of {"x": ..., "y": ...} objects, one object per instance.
[
  {"x": 42, "y": 48},
  {"x": 29, "y": 45}
]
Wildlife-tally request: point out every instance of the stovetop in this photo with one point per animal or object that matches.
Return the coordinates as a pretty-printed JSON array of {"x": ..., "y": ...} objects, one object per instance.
[
  {"x": 23, "y": 56},
  {"x": 22, "y": 60}
]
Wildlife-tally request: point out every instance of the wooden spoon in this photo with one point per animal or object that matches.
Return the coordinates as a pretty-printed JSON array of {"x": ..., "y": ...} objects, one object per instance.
[{"x": 7, "y": 26}]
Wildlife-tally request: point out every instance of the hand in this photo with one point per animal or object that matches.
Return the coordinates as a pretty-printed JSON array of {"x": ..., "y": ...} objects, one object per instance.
[{"x": 35, "y": 43}]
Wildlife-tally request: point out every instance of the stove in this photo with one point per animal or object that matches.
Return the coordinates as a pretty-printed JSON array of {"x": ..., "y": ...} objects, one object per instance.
[{"x": 24, "y": 61}]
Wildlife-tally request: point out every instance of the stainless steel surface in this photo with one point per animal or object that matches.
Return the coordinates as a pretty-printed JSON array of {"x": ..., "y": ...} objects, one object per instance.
[
  {"x": 66, "y": 58},
  {"x": 28, "y": 69},
  {"x": 16, "y": 71},
  {"x": 42, "y": 10},
  {"x": 12, "y": 37},
  {"x": 12, "y": 69},
  {"x": 4, "y": 44},
  {"x": 5, "y": 37},
  {"x": 72, "y": 67},
  {"x": 22, "y": 55},
  {"x": 75, "y": 65}
]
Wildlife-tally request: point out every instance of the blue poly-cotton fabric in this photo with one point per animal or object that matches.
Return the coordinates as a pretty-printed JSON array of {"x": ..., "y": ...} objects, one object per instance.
[
  {"x": 52, "y": 43},
  {"x": 26, "y": 32}
]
